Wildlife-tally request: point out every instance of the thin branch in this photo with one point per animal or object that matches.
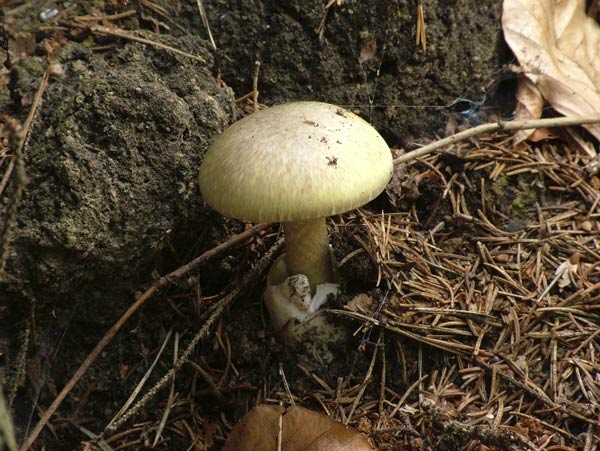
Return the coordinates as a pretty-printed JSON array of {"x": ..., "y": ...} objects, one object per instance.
[
  {"x": 496, "y": 126},
  {"x": 7, "y": 435},
  {"x": 98, "y": 29},
  {"x": 212, "y": 315},
  {"x": 163, "y": 281},
  {"x": 255, "y": 85},
  {"x": 205, "y": 22}
]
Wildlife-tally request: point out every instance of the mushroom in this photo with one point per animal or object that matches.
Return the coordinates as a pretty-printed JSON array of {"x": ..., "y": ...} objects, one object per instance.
[{"x": 296, "y": 163}]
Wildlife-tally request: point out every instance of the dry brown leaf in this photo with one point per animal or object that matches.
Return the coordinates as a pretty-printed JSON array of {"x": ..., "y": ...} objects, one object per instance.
[
  {"x": 301, "y": 430},
  {"x": 557, "y": 45},
  {"x": 530, "y": 105},
  {"x": 368, "y": 51},
  {"x": 567, "y": 270},
  {"x": 363, "y": 303}
]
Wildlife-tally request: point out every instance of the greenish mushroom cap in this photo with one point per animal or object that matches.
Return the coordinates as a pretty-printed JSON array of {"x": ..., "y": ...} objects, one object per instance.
[{"x": 294, "y": 162}]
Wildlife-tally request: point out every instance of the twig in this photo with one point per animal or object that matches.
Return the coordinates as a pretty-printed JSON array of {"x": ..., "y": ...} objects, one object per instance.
[
  {"x": 280, "y": 431},
  {"x": 162, "y": 282},
  {"x": 97, "y": 441},
  {"x": 124, "y": 35},
  {"x": 122, "y": 15},
  {"x": 7, "y": 436},
  {"x": 495, "y": 126},
  {"x": 17, "y": 136},
  {"x": 286, "y": 386},
  {"x": 233, "y": 241},
  {"x": 255, "y": 85},
  {"x": 539, "y": 395},
  {"x": 205, "y": 22},
  {"x": 170, "y": 398},
  {"x": 383, "y": 374},
  {"x": 366, "y": 381},
  {"x": 209, "y": 381},
  {"x": 321, "y": 28},
  {"x": 421, "y": 34},
  {"x": 406, "y": 394},
  {"x": 212, "y": 315},
  {"x": 142, "y": 381}
]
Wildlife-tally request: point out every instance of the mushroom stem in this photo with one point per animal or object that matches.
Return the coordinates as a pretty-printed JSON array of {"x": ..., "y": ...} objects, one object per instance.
[{"x": 307, "y": 251}]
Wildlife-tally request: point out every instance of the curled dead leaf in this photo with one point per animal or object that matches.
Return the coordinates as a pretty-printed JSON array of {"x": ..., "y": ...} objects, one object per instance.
[
  {"x": 362, "y": 303},
  {"x": 557, "y": 45},
  {"x": 296, "y": 427},
  {"x": 368, "y": 51},
  {"x": 530, "y": 105},
  {"x": 567, "y": 270}
]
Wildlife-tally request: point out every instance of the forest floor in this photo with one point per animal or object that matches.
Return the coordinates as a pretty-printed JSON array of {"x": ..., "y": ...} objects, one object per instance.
[{"x": 471, "y": 291}]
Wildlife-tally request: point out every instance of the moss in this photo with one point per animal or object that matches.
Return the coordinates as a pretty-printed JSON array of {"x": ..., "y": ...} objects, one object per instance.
[
  {"x": 523, "y": 205},
  {"x": 499, "y": 186},
  {"x": 514, "y": 197}
]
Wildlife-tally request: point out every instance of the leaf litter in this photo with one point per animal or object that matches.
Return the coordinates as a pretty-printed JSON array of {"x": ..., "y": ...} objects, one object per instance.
[
  {"x": 557, "y": 46},
  {"x": 502, "y": 286},
  {"x": 490, "y": 323},
  {"x": 475, "y": 305}
]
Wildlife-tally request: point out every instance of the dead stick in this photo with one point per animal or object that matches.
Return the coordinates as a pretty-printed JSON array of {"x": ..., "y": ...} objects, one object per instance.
[
  {"x": 37, "y": 101},
  {"x": 495, "y": 126},
  {"x": 123, "y": 15},
  {"x": 124, "y": 35},
  {"x": 205, "y": 22},
  {"x": 163, "y": 281},
  {"x": 6, "y": 428},
  {"x": 213, "y": 313},
  {"x": 255, "y": 85}
]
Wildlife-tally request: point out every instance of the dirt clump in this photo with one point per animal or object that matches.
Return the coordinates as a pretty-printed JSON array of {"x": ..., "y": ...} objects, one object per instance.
[{"x": 112, "y": 162}]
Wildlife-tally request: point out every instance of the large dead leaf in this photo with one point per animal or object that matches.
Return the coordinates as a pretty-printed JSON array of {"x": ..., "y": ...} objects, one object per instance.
[
  {"x": 299, "y": 429},
  {"x": 530, "y": 105},
  {"x": 557, "y": 45}
]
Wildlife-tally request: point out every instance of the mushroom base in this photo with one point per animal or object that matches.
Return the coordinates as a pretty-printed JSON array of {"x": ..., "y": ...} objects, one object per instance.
[{"x": 295, "y": 313}]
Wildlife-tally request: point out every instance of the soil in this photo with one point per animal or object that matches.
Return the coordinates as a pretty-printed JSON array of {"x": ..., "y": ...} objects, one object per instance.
[
  {"x": 112, "y": 198},
  {"x": 112, "y": 160},
  {"x": 402, "y": 89}
]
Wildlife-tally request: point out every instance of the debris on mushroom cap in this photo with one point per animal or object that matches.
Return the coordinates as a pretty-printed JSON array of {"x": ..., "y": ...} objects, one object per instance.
[{"x": 294, "y": 162}]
